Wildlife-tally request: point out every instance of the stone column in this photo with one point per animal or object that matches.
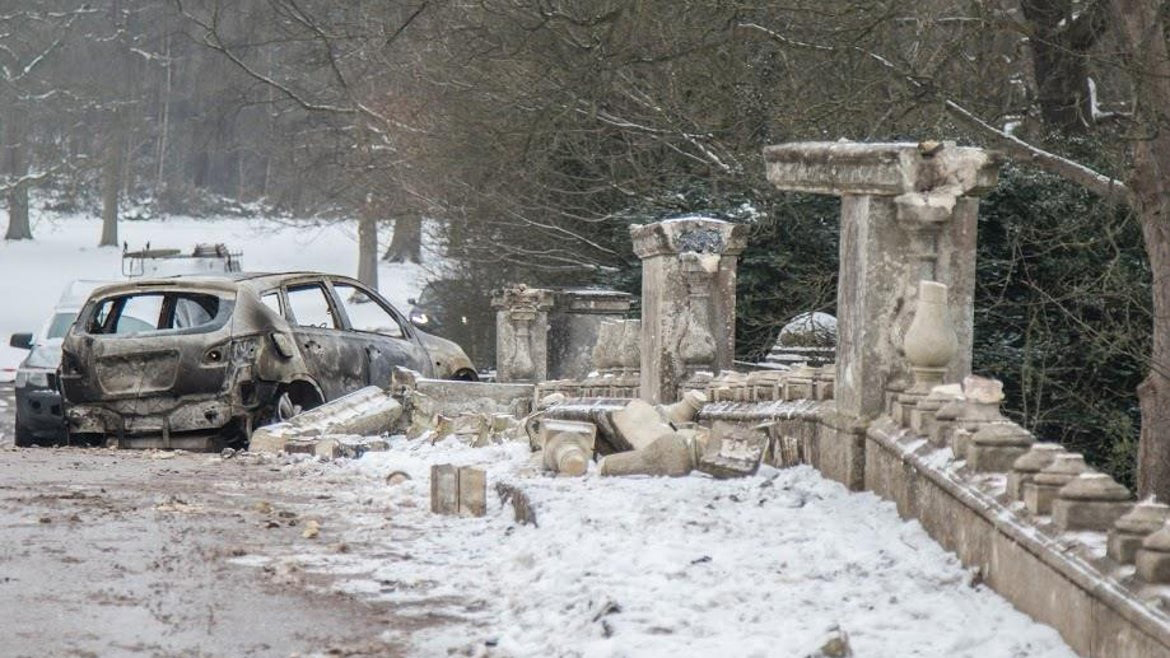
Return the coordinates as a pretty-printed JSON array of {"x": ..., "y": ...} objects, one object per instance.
[
  {"x": 522, "y": 333},
  {"x": 688, "y": 300},
  {"x": 907, "y": 213}
]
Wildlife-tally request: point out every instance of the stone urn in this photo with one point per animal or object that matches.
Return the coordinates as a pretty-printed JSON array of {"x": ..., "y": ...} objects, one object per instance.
[{"x": 930, "y": 342}]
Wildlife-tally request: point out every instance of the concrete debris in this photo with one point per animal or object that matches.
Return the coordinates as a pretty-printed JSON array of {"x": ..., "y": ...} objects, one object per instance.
[
  {"x": 669, "y": 455},
  {"x": 367, "y": 411},
  {"x": 458, "y": 491},
  {"x": 521, "y": 505},
  {"x": 638, "y": 425},
  {"x": 551, "y": 400},
  {"x": 733, "y": 450},
  {"x": 312, "y": 529},
  {"x": 397, "y": 477}
]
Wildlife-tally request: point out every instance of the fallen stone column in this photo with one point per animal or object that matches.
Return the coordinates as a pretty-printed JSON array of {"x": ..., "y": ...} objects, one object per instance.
[
  {"x": 367, "y": 411},
  {"x": 567, "y": 446}
]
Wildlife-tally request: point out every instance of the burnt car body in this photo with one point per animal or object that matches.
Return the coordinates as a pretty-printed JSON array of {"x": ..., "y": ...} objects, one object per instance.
[{"x": 197, "y": 361}]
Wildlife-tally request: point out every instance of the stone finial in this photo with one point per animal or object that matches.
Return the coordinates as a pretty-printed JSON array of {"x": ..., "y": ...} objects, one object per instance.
[
  {"x": 1038, "y": 457},
  {"x": 1146, "y": 518},
  {"x": 1090, "y": 501},
  {"x": 1042, "y": 490},
  {"x": 996, "y": 446},
  {"x": 1153, "y": 558}
]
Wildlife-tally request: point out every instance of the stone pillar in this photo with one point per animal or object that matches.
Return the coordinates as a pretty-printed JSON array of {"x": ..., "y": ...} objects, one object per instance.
[
  {"x": 688, "y": 300},
  {"x": 522, "y": 333},
  {"x": 907, "y": 213}
]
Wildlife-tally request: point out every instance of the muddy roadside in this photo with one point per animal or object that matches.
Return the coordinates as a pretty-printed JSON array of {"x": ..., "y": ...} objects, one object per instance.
[{"x": 138, "y": 553}]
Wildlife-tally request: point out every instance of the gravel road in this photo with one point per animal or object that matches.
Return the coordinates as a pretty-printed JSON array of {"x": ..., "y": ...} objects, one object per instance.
[{"x": 106, "y": 553}]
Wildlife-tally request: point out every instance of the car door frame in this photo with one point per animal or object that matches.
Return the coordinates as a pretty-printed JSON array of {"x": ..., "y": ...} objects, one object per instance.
[
  {"x": 381, "y": 349},
  {"x": 315, "y": 343}
]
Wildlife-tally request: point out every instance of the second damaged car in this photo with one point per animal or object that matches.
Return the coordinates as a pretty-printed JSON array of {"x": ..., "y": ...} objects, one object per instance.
[{"x": 197, "y": 362}]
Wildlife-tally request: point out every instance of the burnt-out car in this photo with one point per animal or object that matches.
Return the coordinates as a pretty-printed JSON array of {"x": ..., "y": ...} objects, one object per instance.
[{"x": 197, "y": 362}]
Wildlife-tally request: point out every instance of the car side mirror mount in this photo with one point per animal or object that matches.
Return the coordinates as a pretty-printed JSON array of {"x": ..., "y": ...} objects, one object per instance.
[
  {"x": 21, "y": 341},
  {"x": 412, "y": 301}
]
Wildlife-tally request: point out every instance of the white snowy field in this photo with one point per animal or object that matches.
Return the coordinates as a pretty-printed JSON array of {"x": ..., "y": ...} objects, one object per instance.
[
  {"x": 642, "y": 566},
  {"x": 33, "y": 273}
]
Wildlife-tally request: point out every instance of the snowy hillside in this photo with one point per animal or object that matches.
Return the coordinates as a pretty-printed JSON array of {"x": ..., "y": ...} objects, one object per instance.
[{"x": 34, "y": 273}]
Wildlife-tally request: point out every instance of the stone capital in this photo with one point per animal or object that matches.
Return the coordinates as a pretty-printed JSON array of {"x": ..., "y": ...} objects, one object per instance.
[
  {"x": 883, "y": 169},
  {"x": 522, "y": 298},
  {"x": 701, "y": 235}
]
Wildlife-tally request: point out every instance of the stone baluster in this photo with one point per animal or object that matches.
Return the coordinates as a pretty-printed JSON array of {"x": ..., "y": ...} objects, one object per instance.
[
  {"x": 1043, "y": 489},
  {"x": 1039, "y": 457},
  {"x": 824, "y": 381},
  {"x": 1146, "y": 518},
  {"x": 1090, "y": 501},
  {"x": 630, "y": 358},
  {"x": 930, "y": 345},
  {"x": 798, "y": 385}
]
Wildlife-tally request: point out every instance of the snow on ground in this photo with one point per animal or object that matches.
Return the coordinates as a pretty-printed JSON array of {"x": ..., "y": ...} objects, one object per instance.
[
  {"x": 33, "y": 273},
  {"x": 692, "y": 566}
]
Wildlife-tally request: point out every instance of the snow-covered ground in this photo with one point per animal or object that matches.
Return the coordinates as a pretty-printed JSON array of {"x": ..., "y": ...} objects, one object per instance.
[
  {"x": 692, "y": 566},
  {"x": 33, "y": 273}
]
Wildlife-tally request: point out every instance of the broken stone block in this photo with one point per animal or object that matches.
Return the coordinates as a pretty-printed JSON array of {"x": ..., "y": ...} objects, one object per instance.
[
  {"x": 1042, "y": 490},
  {"x": 835, "y": 644},
  {"x": 472, "y": 491},
  {"x": 1153, "y": 558},
  {"x": 1146, "y": 518},
  {"x": 328, "y": 449},
  {"x": 996, "y": 446},
  {"x": 670, "y": 455},
  {"x": 444, "y": 489},
  {"x": 922, "y": 417},
  {"x": 798, "y": 385},
  {"x": 960, "y": 442},
  {"x": 367, "y": 411},
  {"x": 567, "y": 445},
  {"x": 1091, "y": 501},
  {"x": 1038, "y": 457},
  {"x": 733, "y": 450},
  {"x": 637, "y": 425}
]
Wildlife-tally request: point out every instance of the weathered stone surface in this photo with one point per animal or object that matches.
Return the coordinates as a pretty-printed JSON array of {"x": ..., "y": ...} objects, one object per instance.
[
  {"x": 684, "y": 410},
  {"x": 472, "y": 491},
  {"x": 1038, "y": 457},
  {"x": 367, "y": 411},
  {"x": 567, "y": 446},
  {"x": 637, "y": 425},
  {"x": 733, "y": 450},
  {"x": 670, "y": 455},
  {"x": 996, "y": 446},
  {"x": 1153, "y": 558},
  {"x": 688, "y": 300},
  {"x": 1146, "y": 518},
  {"x": 444, "y": 489},
  {"x": 1096, "y": 515},
  {"x": 1042, "y": 490},
  {"x": 573, "y": 326},
  {"x": 522, "y": 333}
]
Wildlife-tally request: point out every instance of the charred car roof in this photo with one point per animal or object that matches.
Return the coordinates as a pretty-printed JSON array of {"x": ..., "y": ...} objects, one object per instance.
[{"x": 227, "y": 281}]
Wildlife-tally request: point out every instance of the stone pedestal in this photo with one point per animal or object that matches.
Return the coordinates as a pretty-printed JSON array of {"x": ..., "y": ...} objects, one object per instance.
[
  {"x": 907, "y": 213},
  {"x": 1042, "y": 490},
  {"x": 1127, "y": 534},
  {"x": 1039, "y": 457},
  {"x": 996, "y": 446},
  {"x": 1091, "y": 501},
  {"x": 1153, "y": 558},
  {"x": 522, "y": 333},
  {"x": 688, "y": 300}
]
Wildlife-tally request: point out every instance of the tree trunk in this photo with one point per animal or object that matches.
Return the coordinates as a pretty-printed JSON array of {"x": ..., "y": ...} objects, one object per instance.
[
  {"x": 16, "y": 152},
  {"x": 406, "y": 246},
  {"x": 1142, "y": 33},
  {"x": 368, "y": 247},
  {"x": 111, "y": 186},
  {"x": 1060, "y": 46}
]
